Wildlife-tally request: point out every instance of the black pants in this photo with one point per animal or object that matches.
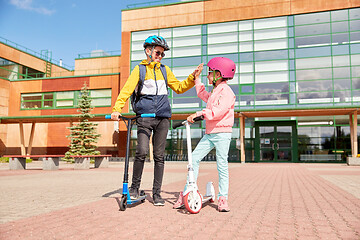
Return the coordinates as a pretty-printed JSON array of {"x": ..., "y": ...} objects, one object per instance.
[{"x": 159, "y": 127}]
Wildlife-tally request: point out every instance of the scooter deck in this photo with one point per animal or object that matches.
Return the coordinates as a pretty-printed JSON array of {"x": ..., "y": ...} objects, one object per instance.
[{"x": 141, "y": 198}]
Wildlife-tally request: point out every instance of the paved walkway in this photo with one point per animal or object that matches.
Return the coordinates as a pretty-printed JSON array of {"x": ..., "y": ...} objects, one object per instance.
[{"x": 267, "y": 200}]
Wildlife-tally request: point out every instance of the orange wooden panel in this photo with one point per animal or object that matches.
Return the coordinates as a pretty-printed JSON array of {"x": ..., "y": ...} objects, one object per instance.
[
  {"x": 16, "y": 88},
  {"x": 96, "y": 82},
  {"x": 57, "y": 133},
  {"x": 64, "y": 84}
]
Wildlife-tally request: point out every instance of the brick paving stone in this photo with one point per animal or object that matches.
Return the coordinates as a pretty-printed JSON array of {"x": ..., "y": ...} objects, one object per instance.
[{"x": 267, "y": 201}]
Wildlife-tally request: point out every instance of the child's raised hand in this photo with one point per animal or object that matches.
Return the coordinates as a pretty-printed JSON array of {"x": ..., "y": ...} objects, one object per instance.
[
  {"x": 198, "y": 70},
  {"x": 191, "y": 118}
]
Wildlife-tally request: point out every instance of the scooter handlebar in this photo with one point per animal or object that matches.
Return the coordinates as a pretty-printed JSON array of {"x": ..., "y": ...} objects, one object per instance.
[
  {"x": 179, "y": 124},
  {"x": 108, "y": 116}
]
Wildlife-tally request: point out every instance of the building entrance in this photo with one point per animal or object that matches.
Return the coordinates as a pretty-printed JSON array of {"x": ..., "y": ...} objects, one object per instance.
[{"x": 276, "y": 141}]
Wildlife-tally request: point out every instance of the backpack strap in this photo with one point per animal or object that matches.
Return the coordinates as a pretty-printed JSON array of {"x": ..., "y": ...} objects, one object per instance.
[
  {"x": 164, "y": 73},
  {"x": 142, "y": 73}
]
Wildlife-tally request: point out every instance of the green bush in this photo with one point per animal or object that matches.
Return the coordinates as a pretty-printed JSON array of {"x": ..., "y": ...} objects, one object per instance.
[{"x": 4, "y": 159}]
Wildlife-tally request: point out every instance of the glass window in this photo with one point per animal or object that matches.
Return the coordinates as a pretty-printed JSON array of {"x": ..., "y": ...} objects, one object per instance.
[
  {"x": 246, "y": 57},
  {"x": 246, "y": 78},
  {"x": 270, "y": 33},
  {"x": 271, "y": 55},
  {"x": 304, "y": 63},
  {"x": 64, "y": 95},
  {"x": 312, "y": 18},
  {"x": 223, "y": 48},
  {"x": 31, "y": 100},
  {"x": 100, "y": 93},
  {"x": 222, "y": 38},
  {"x": 341, "y": 84},
  {"x": 271, "y": 66},
  {"x": 272, "y": 99},
  {"x": 137, "y": 45},
  {"x": 246, "y": 47},
  {"x": 138, "y": 55},
  {"x": 101, "y": 102},
  {"x": 270, "y": 22},
  {"x": 142, "y": 35},
  {"x": 186, "y": 51},
  {"x": 246, "y": 67},
  {"x": 245, "y": 36},
  {"x": 186, "y": 31},
  {"x": 340, "y": 27},
  {"x": 222, "y": 27},
  {"x": 356, "y": 83},
  {"x": 246, "y": 100},
  {"x": 344, "y": 60},
  {"x": 245, "y": 25},
  {"x": 183, "y": 71},
  {"x": 186, "y": 41},
  {"x": 339, "y": 15},
  {"x": 315, "y": 97},
  {"x": 186, "y": 61},
  {"x": 355, "y": 25},
  {"x": 354, "y": 13},
  {"x": 342, "y": 72},
  {"x": 314, "y": 74},
  {"x": 271, "y": 44},
  {"x": 166, "y": 33},
  {"x": 311, "y": 86},
  {"x": 247, "y": 89},
  {"x": 68, "y": 103},
  {"x": 340, "y": 50},
  {"x": 271, "y": 77},
  {"x": 271, "y": 88},
  {"x": 340, "y": 38},
  {"x": 313, "y": 52},
  {"x": 312, "y": 41},
  {"x": 312, "y": 29},
  {"x": 354, "y": 37}
]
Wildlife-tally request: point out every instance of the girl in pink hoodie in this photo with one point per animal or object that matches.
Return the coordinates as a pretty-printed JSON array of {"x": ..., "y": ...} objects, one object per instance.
[{"x": 219, "y": 116}]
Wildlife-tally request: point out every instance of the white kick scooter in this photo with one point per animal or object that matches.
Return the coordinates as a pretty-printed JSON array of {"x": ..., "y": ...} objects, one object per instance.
[{"x": 193, "y": 200}]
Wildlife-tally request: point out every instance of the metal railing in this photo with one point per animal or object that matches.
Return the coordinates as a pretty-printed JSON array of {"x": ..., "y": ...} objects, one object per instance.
[
  {"x": 151, "y": 3},
  {"x": 42, "y": 55},
  {"x": 100, "y": 53}
]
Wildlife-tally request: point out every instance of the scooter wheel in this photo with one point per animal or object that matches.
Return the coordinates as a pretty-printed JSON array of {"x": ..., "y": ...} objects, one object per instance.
[
  {"x": 123, "y": 203},
  {"x": 193, "y": 202}
]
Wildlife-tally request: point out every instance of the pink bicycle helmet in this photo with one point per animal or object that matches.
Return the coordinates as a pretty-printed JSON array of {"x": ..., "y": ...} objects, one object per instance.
[{"x": 224, "y": 65}]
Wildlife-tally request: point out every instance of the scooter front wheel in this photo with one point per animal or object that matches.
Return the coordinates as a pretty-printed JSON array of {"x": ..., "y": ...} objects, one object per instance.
[
  {"x": 123, "y": 203},
  {"x": 193, "y": 201}
]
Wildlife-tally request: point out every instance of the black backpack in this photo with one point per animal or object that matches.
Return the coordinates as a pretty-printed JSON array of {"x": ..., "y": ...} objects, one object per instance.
[{"x": 135, "y": 96}]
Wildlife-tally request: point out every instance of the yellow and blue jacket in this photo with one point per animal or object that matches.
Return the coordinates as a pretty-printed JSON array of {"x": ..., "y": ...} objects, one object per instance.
[{"x": 154, "y": 92}]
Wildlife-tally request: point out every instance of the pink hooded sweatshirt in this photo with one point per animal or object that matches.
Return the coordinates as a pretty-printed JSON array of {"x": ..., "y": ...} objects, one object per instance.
[{"x": 219, "y": 111}]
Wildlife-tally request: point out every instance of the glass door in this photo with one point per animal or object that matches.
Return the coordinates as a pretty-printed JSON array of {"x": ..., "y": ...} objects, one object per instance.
[{"x": 275, "y": 141}]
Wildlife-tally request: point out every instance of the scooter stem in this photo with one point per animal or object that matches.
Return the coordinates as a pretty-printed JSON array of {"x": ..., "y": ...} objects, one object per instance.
[{"x": 189, "y": 148}]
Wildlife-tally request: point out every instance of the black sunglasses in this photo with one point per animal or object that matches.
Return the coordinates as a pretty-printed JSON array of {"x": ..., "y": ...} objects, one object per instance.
[{"x": 158, "y": 53}]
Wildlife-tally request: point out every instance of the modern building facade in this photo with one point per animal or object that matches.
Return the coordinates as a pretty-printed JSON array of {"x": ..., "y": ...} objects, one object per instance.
[{"x": 297, "y": 82}]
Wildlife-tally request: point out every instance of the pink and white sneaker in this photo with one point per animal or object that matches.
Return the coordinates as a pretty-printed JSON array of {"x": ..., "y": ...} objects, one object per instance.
[
  {"x": 180, "y": 202},
  {"x": 223, "y": 205}
]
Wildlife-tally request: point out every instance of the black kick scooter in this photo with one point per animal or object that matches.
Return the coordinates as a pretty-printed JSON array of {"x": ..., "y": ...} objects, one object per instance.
[{"x": 125, "y": 198}]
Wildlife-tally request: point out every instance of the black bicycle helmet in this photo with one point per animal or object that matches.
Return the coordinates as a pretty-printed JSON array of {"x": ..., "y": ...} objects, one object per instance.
[{"x": 156, "y": 41}]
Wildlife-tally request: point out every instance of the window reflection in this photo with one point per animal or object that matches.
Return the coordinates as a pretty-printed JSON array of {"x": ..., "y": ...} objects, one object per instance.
[
  {"x": 312, "y": 18},
  {"x": 271, "y": 87}
]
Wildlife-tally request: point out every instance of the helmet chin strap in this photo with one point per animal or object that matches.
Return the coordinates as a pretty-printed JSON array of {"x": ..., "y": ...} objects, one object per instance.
[{"x": 215, "y": 79}]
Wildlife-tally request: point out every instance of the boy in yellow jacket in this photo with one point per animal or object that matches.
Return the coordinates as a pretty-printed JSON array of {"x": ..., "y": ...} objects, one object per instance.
[{"x": 153, "y": 98}]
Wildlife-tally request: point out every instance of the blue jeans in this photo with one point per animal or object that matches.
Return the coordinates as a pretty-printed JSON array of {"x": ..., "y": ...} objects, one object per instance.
[{"x": 221, "y": 142}]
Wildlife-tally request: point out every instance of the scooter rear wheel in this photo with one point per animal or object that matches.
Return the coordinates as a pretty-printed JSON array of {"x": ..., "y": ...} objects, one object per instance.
[
  {"x": 123, "y": 203},
  {"x": 193, "y": 202}
]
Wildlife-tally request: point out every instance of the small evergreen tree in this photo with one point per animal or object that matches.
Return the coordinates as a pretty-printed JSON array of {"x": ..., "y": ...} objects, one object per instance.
[{"x": 84, "y": 134}]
